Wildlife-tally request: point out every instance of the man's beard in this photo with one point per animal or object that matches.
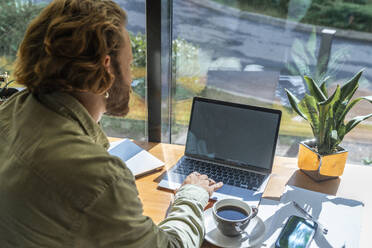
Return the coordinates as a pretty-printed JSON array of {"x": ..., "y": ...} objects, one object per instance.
[{"x": 119, "y": 93}]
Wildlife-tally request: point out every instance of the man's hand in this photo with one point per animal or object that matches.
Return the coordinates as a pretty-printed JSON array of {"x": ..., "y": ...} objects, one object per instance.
[{"x": 203, "y": 181}]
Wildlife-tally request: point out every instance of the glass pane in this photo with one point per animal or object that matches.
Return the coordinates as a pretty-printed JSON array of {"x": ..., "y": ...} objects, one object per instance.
[
  {"x": 249, "y": 51},
  {"x": 14, "y": 18},
  {"x": 166, "y": 70},
  {"x": 134, "y": 124},
  {"x": 15, "y": 15}
]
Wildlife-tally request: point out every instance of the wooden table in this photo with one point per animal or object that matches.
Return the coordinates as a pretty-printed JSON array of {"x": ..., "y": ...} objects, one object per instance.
[{"x": 356, "y": 183}]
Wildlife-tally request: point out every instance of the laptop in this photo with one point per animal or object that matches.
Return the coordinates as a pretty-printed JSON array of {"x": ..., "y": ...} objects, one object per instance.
[{"x": 229, "y": 142}]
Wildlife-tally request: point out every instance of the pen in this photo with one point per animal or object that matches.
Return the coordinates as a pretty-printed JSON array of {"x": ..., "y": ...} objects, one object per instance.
[{"x": 303, "y": 211}]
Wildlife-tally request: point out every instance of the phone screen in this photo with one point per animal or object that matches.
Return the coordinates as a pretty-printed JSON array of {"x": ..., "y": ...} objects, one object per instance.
[{"x": 297, "y": 232}]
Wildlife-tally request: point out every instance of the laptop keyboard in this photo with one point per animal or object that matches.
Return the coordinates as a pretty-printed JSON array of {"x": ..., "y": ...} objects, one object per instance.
[{"x": 230, "y": 176}]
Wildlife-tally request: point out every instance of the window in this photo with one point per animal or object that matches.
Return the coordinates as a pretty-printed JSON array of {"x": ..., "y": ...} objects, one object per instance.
[
  {"x": 249, "y": 51},
  {"x": 134, "y": 124},
  {"x": 14, "y": 18},
  {"x": 245, "y": 51}
]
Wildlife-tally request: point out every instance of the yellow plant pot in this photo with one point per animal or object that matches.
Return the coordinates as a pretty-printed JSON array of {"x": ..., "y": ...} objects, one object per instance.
[{"x": 321, "y": 167}]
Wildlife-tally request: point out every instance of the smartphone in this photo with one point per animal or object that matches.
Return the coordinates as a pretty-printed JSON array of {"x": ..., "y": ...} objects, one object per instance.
[{"x": 298, "y": 232}]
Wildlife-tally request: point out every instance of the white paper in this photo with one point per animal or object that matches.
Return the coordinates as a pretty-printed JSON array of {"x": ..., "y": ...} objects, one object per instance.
[
  {"x": 143, "y": 162},
  {"x": 114, "y": 143},
  {"x": 138, "y": 160},
  {"x": 267, "y": 210},
  {"x": 341, "y": 216}
]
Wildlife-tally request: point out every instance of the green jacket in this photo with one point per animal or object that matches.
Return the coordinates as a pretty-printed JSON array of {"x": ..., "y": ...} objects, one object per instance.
[{"x": 59, "y": 187}]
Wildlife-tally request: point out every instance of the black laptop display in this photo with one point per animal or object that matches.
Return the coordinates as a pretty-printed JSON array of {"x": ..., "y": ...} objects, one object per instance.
[
  {"x": 229, "y": 142},
  {"x": 233, "y": 134}
]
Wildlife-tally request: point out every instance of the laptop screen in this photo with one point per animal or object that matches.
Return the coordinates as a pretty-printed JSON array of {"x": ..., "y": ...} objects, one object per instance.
[{"x": 233, "y": 133}]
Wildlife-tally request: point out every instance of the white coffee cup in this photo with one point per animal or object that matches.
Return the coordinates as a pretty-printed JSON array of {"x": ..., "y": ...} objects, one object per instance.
[{"x": 228, "y": 225}]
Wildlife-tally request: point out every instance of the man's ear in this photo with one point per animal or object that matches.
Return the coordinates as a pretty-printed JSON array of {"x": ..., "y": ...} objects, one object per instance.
[{"x": 107, "y": 63}]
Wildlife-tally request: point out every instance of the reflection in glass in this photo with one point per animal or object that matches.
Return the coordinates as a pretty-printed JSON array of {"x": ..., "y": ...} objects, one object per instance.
[
  {"x": 134, "y": 124},
  {"x": 300, "y": 235},
  {"x": 15, "y": 16},
  {"x": 249, "y": 51}
]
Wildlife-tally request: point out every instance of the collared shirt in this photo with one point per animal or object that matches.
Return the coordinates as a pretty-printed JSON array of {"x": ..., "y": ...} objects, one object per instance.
[{"x": 59, "y": 187}]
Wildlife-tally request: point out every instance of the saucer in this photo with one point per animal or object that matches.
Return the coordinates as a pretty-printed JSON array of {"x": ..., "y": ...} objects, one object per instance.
[{"x": 255, "y": 230}]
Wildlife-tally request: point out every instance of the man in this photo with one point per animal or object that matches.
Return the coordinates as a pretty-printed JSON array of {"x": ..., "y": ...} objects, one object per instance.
[{"x": 58, "y": 185}]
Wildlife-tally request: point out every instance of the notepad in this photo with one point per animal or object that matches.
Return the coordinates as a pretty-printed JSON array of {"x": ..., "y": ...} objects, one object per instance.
[
  {"x": 138, "y": 160},
  {"x": 341, "y": 216}
]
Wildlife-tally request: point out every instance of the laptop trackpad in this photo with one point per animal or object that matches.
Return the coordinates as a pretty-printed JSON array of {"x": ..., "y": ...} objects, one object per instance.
[{"x": 228, "y": 191}]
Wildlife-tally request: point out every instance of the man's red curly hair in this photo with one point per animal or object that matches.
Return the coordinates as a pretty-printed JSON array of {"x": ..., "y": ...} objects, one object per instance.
[{"x": 65, "y": 47}]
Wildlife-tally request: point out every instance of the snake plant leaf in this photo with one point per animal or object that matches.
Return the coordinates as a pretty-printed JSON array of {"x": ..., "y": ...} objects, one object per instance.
[
  {"x": 355, "y": 121},
  {"x": 338, "y": 108},
  {"x": 334, "y": 138},
  {"x": 294, "y": 103},
  {"x": 323, "y": 87},
  {"x": 292, "y": 69},
  {"x": 351, "y": 105},
  {"x": 341, "y": 132},
  {"x": 348, "y": 90},
  {"x": 300, "y": 62},
  {"x": 299, "y": 50},
  {"x": 326, "y": 115},
  {"x": 308, "y": 106},
  {"x": 325, "y": 131},
  {"x": 311, "y": 44},
  {"x": 331, "y": 100},
  {"x": 326, "y": 79},
  {"x": 314, "y": 89}
]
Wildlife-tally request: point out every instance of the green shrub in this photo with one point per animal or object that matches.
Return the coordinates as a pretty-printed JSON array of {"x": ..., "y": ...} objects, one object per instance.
[
  {"x": 185, "y": 58},
  {"x": 347, "y": 14},
  {"x": 279, "y": 6},
  {"x": 367, "y": 161},
  {"x": 356, "y": 1},
  {"x": 138, "y": 42},
  {"x": 341, "y": 15},
  {"x": 15, "y": 16}
]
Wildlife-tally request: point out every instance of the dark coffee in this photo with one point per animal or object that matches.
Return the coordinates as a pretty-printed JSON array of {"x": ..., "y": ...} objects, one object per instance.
[{"x": 232, "y": 213}]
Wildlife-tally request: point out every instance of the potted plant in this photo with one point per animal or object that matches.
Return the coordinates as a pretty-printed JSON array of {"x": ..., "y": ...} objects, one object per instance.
[
  {"x": 323, "y": 158},
  {"x": 5, "y": 92}
]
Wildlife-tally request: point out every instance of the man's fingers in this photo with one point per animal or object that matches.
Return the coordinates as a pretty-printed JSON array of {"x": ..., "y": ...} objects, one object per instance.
[
  {"x": 202, "y": 180},
  {"x": 211, "y": 181},
  {"x": 217, "y": 186},
  {"x": 203, "y": 177}
]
